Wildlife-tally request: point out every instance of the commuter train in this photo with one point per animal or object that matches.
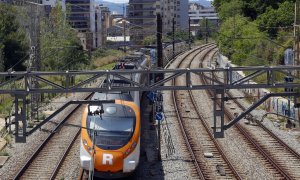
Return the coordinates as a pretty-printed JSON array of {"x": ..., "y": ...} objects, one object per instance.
[
  {"x": 275, "y": 105},
  {"x": 110, "y": 136}
]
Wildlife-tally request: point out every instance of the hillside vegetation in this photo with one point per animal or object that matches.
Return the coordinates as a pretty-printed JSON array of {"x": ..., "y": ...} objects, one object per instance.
[{"x": 255, "y": 32}]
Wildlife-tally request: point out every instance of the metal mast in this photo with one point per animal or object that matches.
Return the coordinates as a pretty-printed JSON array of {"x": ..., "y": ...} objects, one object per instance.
[
  {"x": 296, "y": 32},
  {"x": 34, "y": 13}
]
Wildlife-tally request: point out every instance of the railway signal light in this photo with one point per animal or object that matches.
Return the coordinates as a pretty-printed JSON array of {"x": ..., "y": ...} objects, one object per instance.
[
  {"x": 297, "y": 101},
  {"x": 288, "y": 79}
]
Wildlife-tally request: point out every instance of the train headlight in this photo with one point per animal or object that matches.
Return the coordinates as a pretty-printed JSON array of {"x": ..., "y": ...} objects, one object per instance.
[
  {"x": 84, "y": 142},
  {"x": 90, "y": 149},
  {"x": 131, "y": 148},
  {"x": 133, "y": 144},
  {"x": 128, "y": 151}
]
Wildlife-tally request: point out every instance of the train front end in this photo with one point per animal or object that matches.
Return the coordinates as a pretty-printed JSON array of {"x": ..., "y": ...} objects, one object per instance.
[{"x": 110, "y": 139}]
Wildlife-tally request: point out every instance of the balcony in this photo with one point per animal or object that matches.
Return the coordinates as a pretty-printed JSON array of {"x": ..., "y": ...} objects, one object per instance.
[
  {"x": 78, "y": 1},
  {"x": 141, "y": 9},
  {"x": 148, "y": 24},
  {"x": 80, "y": 9},
  {"x": 141, "y": 17},
  {"x": 72, "y": 18},
  {"x": 141, "y": 1}
]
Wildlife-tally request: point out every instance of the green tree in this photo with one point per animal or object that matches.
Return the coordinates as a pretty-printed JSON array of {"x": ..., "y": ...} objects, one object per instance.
[
  {"x": 13, "y": 42},
  {"x": 230, "y": 9},
  {"x": 149, "y": 40},
  {"x": 60, "y": 46},
  {"x": 254, "y": 32},
  {"x": 179, "y": 36},
  {"x": 206, "y": 28},
  {"x": 272, "y": 19},
  {"x": 248, "y": 8},
  {"x": 254, "y": 8},
  {"x": 238, "y": 41}
]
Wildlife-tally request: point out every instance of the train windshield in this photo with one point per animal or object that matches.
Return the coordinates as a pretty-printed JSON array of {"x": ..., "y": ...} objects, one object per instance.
[{"x": 113, "y": 129}]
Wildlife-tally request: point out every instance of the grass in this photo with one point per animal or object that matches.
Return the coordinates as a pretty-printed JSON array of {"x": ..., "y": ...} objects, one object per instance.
[
  {"x": 198, "y": 42},
  {"x": 107, "y": 66},
  {"x": 101, "y": 61},
  {"x": 8, "y": 138},
  {"x": 30, "y": 125},
  {"x": 5, "y": 105},
  {"x": 4, "y": 153},
  {"x": 110, "y": 57},
  {"x": 104, "y": 60}
]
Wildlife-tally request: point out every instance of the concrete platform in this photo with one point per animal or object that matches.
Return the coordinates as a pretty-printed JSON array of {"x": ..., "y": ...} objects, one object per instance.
[
  {"x": 2, "y": 123},
  {"x": 48, "y": 113},
  {"x": 3, "y": 159},
  {"x": 2, "y": 143}
]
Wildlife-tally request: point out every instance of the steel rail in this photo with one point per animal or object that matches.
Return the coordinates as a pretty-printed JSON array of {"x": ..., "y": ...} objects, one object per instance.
[
  {"x": 247, "y": 136},
  {"x": 208, "y": 129},
  {"x": 63, "y": 157},
  {"x": 179, "y": 117},
  {"x": 235, "y": 173},
  {"x": 184, "y": 133},
  {"x": 287, "y": 147},
  {"x": 291, "y": 150},
  {"x": 41, "y": 147},
  {"x": 258, "y": 147}
]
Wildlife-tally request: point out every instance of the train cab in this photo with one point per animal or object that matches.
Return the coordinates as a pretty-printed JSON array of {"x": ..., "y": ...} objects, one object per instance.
[{"x": 111, "y": 135}]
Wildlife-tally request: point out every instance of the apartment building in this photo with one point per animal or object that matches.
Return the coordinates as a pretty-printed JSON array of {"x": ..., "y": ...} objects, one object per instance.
[
  {"x": 6, "y": 1},
  {"x": 177, "y": 10},
  {"x": 106, "y": 22},
  {"x": 86, "y": 17},
  {"x": 198, "y": 13},
  {"x": 50, "y": 3},
  {"x": 142, "y": 16}
]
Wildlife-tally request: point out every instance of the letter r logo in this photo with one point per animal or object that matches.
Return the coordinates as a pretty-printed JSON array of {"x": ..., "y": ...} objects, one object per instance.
[{"x": 107, "y": 158}]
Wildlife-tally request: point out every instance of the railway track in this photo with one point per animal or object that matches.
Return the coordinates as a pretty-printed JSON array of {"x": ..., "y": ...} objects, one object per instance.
[
  {"x": 191, "y": 121},
  {"x": 276, "y": 153},
  {"x": 49, "y": 156},
  {"x": 283, "y": 156}
]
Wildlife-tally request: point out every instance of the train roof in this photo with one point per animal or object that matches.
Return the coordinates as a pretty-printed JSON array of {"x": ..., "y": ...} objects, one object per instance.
[
  {"x": 112, "y": 96},
  {"x": 133, "y": 58},
  {"x": 121, "y": 95}
]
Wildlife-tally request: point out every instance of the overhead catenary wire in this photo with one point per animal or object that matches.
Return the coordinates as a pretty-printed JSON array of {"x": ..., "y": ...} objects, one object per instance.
[{"x": 165, "y": 34}]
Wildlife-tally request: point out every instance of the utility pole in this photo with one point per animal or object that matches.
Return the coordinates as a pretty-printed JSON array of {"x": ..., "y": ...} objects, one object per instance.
[
  {"x": 157, "y": 77},
  {"x": 206, "y": 34},
  {"x": 297, "y": 38},
  {"x": 173, "y": 27},
  {"x": 296, "y": 33},
  {"x": 160, "y": 62},
  {"x": 124, "y": 28},
  {"x": 190, "y": 33},
  {"x": 34, "y": 13},
  {"x": 124, "y": 34}
]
